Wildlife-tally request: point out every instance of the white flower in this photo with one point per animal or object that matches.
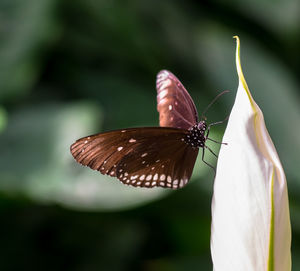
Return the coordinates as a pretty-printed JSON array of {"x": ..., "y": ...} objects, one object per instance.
[{"x": 250, "y": 212}]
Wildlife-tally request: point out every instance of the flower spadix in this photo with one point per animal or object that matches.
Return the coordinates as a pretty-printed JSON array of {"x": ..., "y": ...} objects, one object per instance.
[{"x": 250, "y": 212}]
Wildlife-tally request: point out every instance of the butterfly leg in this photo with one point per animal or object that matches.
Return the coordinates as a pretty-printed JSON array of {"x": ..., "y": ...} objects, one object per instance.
[
  {"x": 211, "y": 151},
  {"x": 215, "y": 123},
  {"x": 213, "y": 168},
  {"x": 216, "y": 141}
]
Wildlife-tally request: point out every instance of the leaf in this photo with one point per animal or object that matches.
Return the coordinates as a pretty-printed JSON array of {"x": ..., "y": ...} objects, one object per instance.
[{"x": 25, "y": 27}]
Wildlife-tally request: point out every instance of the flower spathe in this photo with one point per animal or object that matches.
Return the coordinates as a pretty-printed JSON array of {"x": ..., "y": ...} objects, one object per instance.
[{"x": 250, "y": 212}]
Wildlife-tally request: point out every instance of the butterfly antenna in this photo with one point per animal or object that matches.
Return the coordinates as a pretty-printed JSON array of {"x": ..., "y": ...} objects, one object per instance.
[{"x": 212, "y": 102}]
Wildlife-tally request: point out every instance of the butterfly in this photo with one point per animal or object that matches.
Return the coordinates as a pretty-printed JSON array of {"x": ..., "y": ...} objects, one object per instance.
[{"x": 152, "y": 156}]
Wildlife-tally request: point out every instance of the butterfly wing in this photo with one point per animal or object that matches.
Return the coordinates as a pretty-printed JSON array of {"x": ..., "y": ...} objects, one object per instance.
[
  {"x": 174, "y": 104},
  {"x": 143, "y": 157}
]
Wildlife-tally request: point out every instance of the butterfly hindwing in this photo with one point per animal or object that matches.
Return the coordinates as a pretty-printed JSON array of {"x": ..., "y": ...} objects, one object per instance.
[
  {"x": 174, "y": 104},
  {"x": 151, "y": 164},
  {"x": 144, "y": 157}
]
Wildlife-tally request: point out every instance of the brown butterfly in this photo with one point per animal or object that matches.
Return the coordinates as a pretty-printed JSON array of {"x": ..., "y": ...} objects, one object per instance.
[{"x": 152, "y": 156}]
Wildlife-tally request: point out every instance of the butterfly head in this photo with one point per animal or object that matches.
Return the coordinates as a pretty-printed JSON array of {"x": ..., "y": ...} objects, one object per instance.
[{"x": 202, "y": 126}]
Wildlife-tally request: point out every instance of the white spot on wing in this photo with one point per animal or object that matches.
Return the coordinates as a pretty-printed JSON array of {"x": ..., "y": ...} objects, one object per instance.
[
  {"x": 163, "y": 93},
  {"x": 155, "y": 177},
  {"x": 162, "y": 177},
  {"x": 144, "y": 154},
  {"x": 120, "y": 148},
  {"x": 170, "y": 107},
  {"x": 149, "y": 177},
  {"x": 165, "y": 84},
  {"x": 142, "y": 177},
  {"x": 163, "y": 74},
  {"x": 132, "y": 140},
  {"x": 169, "y": 179}
]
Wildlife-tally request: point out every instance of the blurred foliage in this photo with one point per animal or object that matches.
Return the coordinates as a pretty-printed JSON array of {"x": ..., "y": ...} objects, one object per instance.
[
  {"x": 73, "y": 68},
  {"x": 3, "y": 119}
]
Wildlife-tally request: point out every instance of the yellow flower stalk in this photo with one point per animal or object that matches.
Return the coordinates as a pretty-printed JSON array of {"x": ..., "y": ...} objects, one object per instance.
[{"x": 250, "y": 211}]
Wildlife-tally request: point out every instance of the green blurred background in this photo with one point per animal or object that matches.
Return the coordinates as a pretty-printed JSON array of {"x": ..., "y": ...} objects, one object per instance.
[{"x": 72, "y": 68}]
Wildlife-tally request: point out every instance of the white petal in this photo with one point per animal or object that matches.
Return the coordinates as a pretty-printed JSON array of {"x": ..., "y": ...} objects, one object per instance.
[{"x": 250, "y": 212}]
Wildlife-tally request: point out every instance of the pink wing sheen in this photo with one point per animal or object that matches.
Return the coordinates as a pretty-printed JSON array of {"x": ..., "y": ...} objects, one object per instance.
[{"x": 174, "y": 104}]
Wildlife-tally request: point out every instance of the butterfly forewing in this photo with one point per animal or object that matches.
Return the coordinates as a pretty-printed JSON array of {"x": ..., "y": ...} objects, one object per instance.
[
  {"x": 144, "y": 157},
  {"x": 174, "y": 104}
]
